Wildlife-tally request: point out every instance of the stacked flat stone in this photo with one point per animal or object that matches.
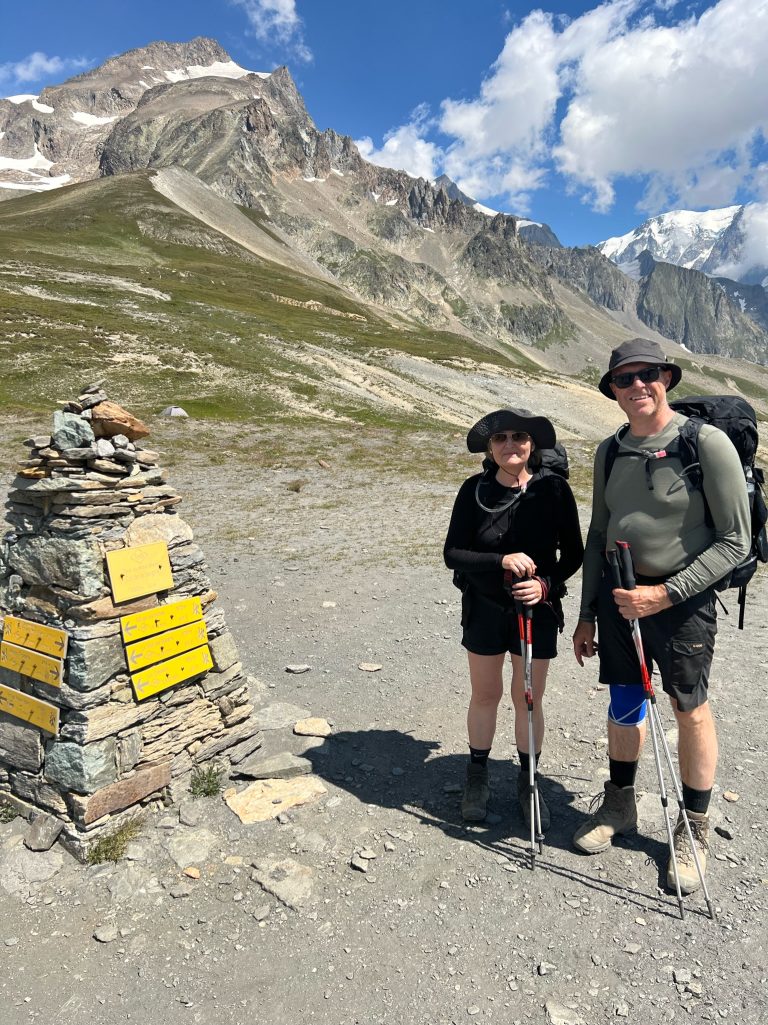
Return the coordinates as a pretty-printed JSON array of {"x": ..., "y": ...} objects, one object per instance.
[{"x": 89, "y": 488}]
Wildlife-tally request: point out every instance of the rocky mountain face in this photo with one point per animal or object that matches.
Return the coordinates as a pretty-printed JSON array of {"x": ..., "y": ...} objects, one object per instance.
[
  {"x": 56, "y": 138},
  {"x": 695, "y": 311},
  {"x": 421, "y": 249}
]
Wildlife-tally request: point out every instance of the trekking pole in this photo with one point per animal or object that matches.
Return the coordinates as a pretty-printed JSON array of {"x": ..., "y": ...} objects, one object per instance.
[
  {"x": 624, "y": 576},
  {"x": 525, "y": 625}
]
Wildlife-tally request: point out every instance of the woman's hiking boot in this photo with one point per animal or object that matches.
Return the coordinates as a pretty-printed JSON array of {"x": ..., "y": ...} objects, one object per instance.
[
  {"x": 616, "y": 814},
  {"x": 476, "y": 793},
  {"x": 524, "y": 797},
  {"x": 686, "y": 866}
]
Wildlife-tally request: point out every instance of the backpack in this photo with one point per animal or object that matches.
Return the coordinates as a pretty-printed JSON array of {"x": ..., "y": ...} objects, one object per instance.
[
  {"x": 736, "y": 418},
  {"x": 555, "y": 459}
]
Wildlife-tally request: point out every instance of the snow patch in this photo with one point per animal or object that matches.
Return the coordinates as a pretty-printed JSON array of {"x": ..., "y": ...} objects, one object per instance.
[
  {"x": 523, "y": 223},
  {"x": 145, "y": 84},
  {"x": 309, "y": 179},
  {"x": 91, "y": 119},
  {"x": 219, "y": 69},
  {"x": 31, "y": 98},
  {"x": 430, "y": 230},
  {"x": 339, "y": 173},
  {"x": 484, "y": 210},
  {"x": 375, "y": 196},
  {"x": 147, "y": 67},
  {"x": 391, "y": 202},
  {"x": 37, "y": 162}
]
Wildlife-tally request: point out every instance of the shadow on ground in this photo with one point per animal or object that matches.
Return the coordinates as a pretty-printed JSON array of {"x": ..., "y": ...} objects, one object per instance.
[{"x": 393, "y": 769}]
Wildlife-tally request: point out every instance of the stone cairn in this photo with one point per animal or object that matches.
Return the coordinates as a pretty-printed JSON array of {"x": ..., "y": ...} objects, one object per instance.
[{"x": 89, "y": 489}]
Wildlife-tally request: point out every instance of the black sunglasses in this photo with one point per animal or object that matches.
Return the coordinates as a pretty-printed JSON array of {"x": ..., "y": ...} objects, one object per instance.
[
  {"x": 646, "y": 376},
  {"x": 502, "y": 436}
]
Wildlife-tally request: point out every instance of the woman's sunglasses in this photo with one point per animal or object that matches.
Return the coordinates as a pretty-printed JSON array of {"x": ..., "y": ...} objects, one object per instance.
[
  {"x": 646, "y": 376},
  {"x": 502, "y": 436}
]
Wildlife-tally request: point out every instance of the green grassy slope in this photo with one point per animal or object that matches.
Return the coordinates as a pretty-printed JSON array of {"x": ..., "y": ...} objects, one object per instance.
[{"x": 110, "y": 281}]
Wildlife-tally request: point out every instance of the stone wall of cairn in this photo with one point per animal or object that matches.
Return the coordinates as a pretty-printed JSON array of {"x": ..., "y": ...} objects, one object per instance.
[{"x": 93, "y": 487}]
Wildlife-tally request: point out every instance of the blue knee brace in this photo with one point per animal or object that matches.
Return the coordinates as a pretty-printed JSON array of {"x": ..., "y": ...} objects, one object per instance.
[{"x": 627, "y": 705}]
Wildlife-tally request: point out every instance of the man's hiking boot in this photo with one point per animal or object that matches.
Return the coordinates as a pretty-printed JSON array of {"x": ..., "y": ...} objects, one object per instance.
[
  {"x": 616, "y": 814},
  {"x": 524, "y": 798},
  {"x": 476, "y": 793},
  {"x": 686, "y": 866}
]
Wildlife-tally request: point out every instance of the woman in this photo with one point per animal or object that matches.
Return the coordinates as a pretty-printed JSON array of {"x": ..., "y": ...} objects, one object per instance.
[{"x": 519, "y": 518}]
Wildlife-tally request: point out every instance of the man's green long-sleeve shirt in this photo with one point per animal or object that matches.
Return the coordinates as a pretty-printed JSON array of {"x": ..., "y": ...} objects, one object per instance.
[{"x": 666, "y": 527}]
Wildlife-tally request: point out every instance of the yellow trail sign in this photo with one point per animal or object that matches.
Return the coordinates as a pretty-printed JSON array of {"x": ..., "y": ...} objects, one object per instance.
[
  {"x": 47, "y": 639},
  {"x": 165, "y": 645},
  {"x": 30, "y": 663},
  {"x": 166, "y": 674},
  {"x": 164, "y": 617},
  {"x": 134, "y": 572},
  {"x": 22, "y": 706}
]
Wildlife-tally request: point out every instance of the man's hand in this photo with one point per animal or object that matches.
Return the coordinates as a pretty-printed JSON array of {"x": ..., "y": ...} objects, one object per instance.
[
  {"x": 643, "y": 601},
  {"x": 584, "y": 644}
]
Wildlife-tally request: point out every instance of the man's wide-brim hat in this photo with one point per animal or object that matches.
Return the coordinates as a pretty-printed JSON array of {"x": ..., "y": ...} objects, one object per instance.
[
  {"x": 540, "y": 429},
  {"x": 637, "y": 350}
]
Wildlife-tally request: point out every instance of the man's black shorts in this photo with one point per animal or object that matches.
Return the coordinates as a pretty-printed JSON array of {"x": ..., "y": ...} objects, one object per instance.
[
  {"x": 680, "y": 641},
  {"x": 491, "y": 629}
]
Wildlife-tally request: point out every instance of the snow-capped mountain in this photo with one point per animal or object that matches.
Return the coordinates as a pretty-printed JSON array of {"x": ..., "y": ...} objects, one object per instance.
[
  {"x": 53, "y": 139},
  {"x": 532, "y": 231},
  {"x": 731, "y": 242}
]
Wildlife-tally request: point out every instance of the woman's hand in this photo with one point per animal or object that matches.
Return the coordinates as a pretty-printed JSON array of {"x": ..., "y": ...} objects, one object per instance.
[
  {"x": 519, "y": 563},
  {"x": 528, "y": 591}
]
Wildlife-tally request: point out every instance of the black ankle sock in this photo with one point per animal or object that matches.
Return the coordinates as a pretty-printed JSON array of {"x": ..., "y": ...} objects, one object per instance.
[
  {"x": 696, "y": 800},
  {"x": 525, "y": 759},
  {"x": 478, "y": 756},
  {"x": 622, "y": 773}
]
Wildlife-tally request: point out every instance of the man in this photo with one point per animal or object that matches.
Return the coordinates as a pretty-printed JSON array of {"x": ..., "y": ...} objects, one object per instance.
[{"x": 679, "y": 553}]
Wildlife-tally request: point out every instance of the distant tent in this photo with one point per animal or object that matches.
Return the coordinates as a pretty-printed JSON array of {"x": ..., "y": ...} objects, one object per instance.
[{"x": 174, "y": 411}]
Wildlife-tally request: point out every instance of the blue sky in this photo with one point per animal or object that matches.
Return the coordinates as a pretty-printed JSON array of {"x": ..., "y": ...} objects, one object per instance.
[{"x": 588, "y": 117}]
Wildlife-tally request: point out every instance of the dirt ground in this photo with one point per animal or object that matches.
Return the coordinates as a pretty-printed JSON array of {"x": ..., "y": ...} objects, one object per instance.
[{"x": 448, "y": 923}]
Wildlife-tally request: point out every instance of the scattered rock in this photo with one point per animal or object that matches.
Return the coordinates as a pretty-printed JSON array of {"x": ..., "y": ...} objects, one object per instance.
[
  {"x": 280, "y": 766},
  {"x": 192, "y": 872},
  {"x": 267, "y": 798},
  {"x": 369, "y": 667},
  {"x": 725, "y": 833},
  {"x": 558, "y": 1014},
  {"x": 43, "y": 833},
  {"x": 106, "y": 934},
  {"x": 298, "y": 668},
  {"x": 187, "y": 846},
  {"x": 731, "y": 796},
  {"x": 285, "y": 879},
  {"x": 313, "y": 727},
  {"x": 359, "y": 863}
]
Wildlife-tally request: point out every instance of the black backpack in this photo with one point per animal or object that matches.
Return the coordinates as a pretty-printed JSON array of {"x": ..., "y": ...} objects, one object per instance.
[
  {"x": 736, "y": 418},
  {"x": 554, "y": 459}
]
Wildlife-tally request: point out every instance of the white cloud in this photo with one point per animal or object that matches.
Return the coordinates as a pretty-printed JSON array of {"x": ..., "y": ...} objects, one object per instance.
[
  {"x": 753, "y": 254},
  {"x": 679, "y": 104},
  {"x": 277, "y": 21},
  {"x": 405, "y": 148},
  {"x": 39, "y": 67}
]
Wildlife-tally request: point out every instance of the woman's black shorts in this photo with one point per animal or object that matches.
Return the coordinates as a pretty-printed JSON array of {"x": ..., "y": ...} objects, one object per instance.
[
  {"x": 491, "y": 629},
  {"x": 680, "y": 641}
]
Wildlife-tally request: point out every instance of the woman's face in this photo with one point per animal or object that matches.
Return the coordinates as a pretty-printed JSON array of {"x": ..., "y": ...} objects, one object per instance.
[{"x": 511, "y": 450}]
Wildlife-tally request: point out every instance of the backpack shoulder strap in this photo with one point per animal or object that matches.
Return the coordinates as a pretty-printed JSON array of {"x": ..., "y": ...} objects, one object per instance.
[{"x": 612, "y": 451}]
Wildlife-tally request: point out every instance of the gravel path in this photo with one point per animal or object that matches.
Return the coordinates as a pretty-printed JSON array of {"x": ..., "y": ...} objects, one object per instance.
[{"x": 447, "y": 923}]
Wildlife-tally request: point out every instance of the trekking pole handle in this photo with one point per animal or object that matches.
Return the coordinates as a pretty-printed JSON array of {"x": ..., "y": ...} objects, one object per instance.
[
  {"x": 613, "y": 561},
  {"x": 627, "y": 569}
]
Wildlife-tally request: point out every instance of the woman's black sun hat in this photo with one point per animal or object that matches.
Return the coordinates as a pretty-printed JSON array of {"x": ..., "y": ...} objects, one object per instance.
[{"x": 540, "y": 429}]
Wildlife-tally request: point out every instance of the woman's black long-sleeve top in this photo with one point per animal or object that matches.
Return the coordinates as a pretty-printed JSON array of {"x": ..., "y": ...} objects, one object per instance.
[{"x": 543, "y": 522}]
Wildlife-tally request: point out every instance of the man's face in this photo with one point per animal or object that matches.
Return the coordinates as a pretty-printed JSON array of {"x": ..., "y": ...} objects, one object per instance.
[{"x": 641, "y": 399}]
